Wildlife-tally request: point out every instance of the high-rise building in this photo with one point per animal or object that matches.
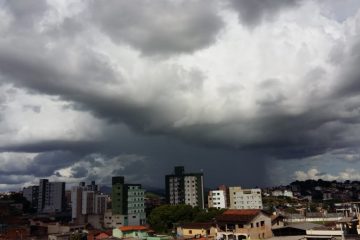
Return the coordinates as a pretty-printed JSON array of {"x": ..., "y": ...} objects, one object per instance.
[
  {"x": 31, "y": 194},
  {"x": 92, "y": 187},
  {"x": 88, "y": 202},
  {"x": 128, "y": 199},
  {"x": 245, "y": 198},
  {"x": 85, "y": 201},
  {"x": 100, "y": 204},
  {"x": 76, "y": 202},
  {"x": 185, "y": 188},
  {"x": 217, "y": 199},
  {"x": 51, "y": 196}
]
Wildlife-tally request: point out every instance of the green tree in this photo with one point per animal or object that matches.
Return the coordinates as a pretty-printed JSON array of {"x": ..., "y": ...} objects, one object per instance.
[{"x": 164, "y": 218}]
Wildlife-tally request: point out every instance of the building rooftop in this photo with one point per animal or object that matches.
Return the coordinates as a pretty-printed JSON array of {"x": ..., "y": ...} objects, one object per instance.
[
  {"x": 133, "y": 228},
  {"x": 238, "y": 216},
  {"x": 192, "y": 225}
]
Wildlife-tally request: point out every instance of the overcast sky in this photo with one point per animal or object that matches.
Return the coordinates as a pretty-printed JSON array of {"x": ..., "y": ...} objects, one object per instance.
[{"x": 251, "y": 92}]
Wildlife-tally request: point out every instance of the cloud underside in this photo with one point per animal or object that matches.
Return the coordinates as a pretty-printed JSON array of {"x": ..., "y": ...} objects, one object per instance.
[{"x": 252, "y": 78}]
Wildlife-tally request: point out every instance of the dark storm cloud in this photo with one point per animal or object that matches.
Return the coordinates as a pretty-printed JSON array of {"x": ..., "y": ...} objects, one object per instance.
[
  {"x": 159, "y": 27},
  {"x": 350, "y": 86},
  {"x": 79, "y": 172},
  {"x": 165, "y": 125},
  {"x": 254, "y": 12},
  {"x": 44, "y": 164},
  {"x": 51, "y": 145}
]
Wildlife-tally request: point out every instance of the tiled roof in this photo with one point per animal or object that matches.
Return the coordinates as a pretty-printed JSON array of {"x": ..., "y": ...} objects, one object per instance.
[
  {"x": 133, "y": 228},
  {"x": 238, "y": 216},
  {"x": 203, "y": 225}
]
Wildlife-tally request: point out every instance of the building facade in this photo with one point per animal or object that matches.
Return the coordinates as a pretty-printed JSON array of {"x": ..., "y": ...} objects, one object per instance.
[
  {"x": 31, "y": 194},
  {"x": 51, "y": 196},
  {"x": 245, "y": 198},
  {"x": 185, "y": 188},
  {"x": 243, "y": 224},
  {"x": 217, "y": 199},
  {"x": 85, "y": 201},
  {"x": 128, "y": 200}
]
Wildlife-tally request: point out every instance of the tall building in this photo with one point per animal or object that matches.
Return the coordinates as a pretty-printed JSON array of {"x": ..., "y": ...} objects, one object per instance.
[
  {"x": 217, "y": 199},
  {"x": 51, "y": 196},
  {"x": 92, "y": 187},
  {"x": 185, "y": 188},
  {"x": 85, "y": 201},
  {"x": 245, "y": 198},
  {"x": 31, "y": 194},
  {"x": 76, "y": 202},
  {"x": 128, "y": 199}
]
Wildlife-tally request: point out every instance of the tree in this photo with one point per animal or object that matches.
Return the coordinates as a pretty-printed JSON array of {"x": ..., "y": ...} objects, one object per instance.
[{"x": 164, "y": 218}]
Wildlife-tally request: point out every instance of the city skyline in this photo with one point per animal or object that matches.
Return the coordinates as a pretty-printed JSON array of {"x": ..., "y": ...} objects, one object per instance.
[{"x": 251, "y": 93}]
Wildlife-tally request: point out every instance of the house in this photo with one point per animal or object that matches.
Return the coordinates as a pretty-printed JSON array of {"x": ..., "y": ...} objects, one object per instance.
[
  {"x": 57, "y": 228},
  {"x": 190, "y": 230},
  {"x": 97, "y": 234},
  {"x": 243, "y": 224},
  {"x": 139, "y": 232}
]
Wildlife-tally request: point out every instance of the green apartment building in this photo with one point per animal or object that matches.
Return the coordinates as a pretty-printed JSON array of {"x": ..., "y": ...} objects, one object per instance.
[{"x": 128, "y": 199}]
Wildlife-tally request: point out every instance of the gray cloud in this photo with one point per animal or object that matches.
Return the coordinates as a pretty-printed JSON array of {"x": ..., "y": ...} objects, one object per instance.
[
  {"x": 254, "y": 12},
  {"x": 160, "y": 27},
  {"x": 42, "y": 165}
]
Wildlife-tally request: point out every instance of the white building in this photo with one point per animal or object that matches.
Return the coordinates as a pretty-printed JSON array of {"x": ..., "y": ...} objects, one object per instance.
[
  {"x": 191, "y": 190},
  {"x": 85, "y": 202},
  {"x": 76, "y": 201},
  {"x": 288, "y": 193},
  {"x": 88, "y": 202},
  {"x": 282, "y": 193},
  {"x": 217, "y": 199},
  {"x": 245, "y": 198}
]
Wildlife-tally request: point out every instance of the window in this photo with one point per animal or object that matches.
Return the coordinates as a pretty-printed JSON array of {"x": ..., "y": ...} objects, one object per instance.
[
  {"x": 190, "y": 231},
  {"x": 251, "y": 225},
  {"x": 257, "y": 224},
  {"x": 262, "y": 223}
]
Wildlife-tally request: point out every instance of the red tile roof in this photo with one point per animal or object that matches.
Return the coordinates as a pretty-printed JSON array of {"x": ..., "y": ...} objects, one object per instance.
[
  {"x": 242, "y": 212},
  {"x": 238, "y": 216},
  {"x": 203, "y": 225},
  {"x": 133, "y": 228}
]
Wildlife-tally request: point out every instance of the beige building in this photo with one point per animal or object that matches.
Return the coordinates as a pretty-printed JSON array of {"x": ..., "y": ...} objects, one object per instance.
[
  {"x": 191, "y": 230},
  {"x": 245, "y": 198},
  {"x": 243, "y": 224}
]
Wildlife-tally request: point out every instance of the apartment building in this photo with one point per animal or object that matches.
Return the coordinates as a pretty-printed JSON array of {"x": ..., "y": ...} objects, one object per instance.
[
  {"x": 126, "y": 200},
  {"x": 85, "y": 202},
  {"x": 185, "y": 188},
  {"x": 217, "y": 199},
  {"x": 245, "y": 198},
  {"x": 51, "y": 196},
  {"x": 31, "y": 194}
]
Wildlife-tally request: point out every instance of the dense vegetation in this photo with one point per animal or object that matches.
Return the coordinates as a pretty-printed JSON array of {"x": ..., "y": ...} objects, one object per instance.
[{"x": 163, "y": 219}]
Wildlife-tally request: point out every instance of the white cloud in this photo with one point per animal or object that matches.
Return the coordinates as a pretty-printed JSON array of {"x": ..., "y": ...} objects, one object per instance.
[{"x": 347, "y": 174}]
